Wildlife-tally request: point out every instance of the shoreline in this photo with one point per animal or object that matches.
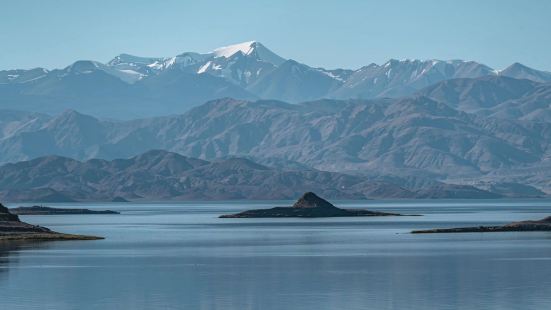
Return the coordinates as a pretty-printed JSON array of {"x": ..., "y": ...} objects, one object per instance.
[{"x": 53, "y": 236}]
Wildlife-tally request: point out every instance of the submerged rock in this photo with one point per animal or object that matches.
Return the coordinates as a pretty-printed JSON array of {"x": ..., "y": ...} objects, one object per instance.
[
  {"x": 309, "y": 205},
  {"x": 537, "y": 225}
]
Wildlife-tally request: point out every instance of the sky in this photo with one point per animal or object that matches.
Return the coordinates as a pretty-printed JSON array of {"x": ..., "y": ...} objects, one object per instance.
[{"x": 322, "y": 33}]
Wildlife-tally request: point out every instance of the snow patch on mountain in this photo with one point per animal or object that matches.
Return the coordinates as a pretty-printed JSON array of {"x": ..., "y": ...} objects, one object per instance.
[{"x": 227, "y": 51}]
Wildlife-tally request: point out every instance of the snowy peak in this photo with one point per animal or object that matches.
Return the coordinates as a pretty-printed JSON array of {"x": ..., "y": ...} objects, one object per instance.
[
  {"x": 82, "y": 67},
  {"x": 131, "y": 60},
  {"x": 227, "y": 51},
  {"x": 222, "y": 58},
  {"x": 132, "y": 68},
  {"x": 240, "y": 64},
  {"x": 250, "y": 48},
  {"x": 189, "y": 59}
]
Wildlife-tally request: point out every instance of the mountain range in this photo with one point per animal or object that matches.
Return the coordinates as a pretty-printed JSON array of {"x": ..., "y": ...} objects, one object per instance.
[
  {"x": 135, "y": 87},
  {"x": 161, "y": 175},
  {"x": 414, "y": 128},
  {"x": 418, "y": 138}
]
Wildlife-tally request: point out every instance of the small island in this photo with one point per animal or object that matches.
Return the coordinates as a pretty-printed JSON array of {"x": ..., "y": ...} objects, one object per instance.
[
  {"x": 41, "y": 210},
  {"x": 309, "y": 205},
  {"x": 537, "y": 225},
  {"x": 11, "y": 228}
]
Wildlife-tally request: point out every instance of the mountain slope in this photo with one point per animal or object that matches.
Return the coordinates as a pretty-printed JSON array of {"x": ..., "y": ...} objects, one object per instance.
[
  {"x": 533, "y": 106},
  {"x": 295, "y": 82},
  {"x": 475, "y": 95},
  {"x": 500, "y": 97},
  {"x": 520, "y": 71}
]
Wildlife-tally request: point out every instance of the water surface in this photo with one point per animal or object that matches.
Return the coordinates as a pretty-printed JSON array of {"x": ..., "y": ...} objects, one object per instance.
[{"x": 181, "y": 256}]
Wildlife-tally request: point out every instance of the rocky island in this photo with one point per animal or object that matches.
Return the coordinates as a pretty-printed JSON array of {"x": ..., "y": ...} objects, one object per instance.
[
  {"x": 537, "y": 225},
  {"x": 11, "y": 228},
  {"x": 309, "y": 205},
  {"x": 41, "y": 210}
]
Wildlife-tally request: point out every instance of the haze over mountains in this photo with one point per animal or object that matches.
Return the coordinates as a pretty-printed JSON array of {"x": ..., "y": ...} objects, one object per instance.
[
  {"x": 131, "y": 86},
  {"x": 413, "y": 125},
  {"x": 405, "y": 137}
]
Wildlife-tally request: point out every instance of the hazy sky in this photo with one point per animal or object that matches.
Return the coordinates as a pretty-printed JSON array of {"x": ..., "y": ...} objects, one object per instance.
[{"x": 324, "y": 33}]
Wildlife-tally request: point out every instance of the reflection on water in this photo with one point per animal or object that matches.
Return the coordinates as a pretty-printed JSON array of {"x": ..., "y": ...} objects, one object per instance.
[
  {"x": 171, "y": 256},
  {"x": 6, "y": 256},
  {"x": 9, "y": 253}
]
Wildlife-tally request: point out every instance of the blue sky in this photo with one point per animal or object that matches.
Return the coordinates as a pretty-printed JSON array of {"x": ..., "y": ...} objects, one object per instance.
[{"x": 325, "y": 33}]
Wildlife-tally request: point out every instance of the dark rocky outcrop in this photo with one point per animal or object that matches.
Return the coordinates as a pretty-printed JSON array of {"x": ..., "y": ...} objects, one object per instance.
[
  {"x": 11, "y": 228},
  {"x": 41, "y": 210},
  {"x": 6, "y": 216},
  {"x": 309, "y": 205},
  {"x": 538, "y": 225}
]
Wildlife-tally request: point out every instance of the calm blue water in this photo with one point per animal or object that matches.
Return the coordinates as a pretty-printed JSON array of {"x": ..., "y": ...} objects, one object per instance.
[{"x": 181, "y": 256}]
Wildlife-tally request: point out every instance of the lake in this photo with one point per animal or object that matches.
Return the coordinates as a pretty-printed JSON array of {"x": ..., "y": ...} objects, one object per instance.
[{"x": 181, "y": 256}]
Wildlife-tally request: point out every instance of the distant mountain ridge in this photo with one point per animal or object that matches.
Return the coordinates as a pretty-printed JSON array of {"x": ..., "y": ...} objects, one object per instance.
[
  {"x": 161, "y": 175},
  {"x": 132, "y": 86}
]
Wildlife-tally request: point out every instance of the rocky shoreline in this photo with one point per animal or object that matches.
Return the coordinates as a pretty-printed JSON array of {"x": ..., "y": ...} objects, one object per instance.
[
  {"x": 50, "y": 236},
  {"x": 11, "y": 228}
]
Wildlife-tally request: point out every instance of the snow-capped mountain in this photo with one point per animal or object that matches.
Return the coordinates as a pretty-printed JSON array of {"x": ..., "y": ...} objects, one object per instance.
[
  {"x": 144, "y": 86},
  {"x": 88, "y": 66},
  {"x": 252, "y": 48},
  {"x": 21, "y": 76},
  {"x": 142, "y": 66},
  {"x": 241, "y": 63},
  {"x": 402, "y": 77}
]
